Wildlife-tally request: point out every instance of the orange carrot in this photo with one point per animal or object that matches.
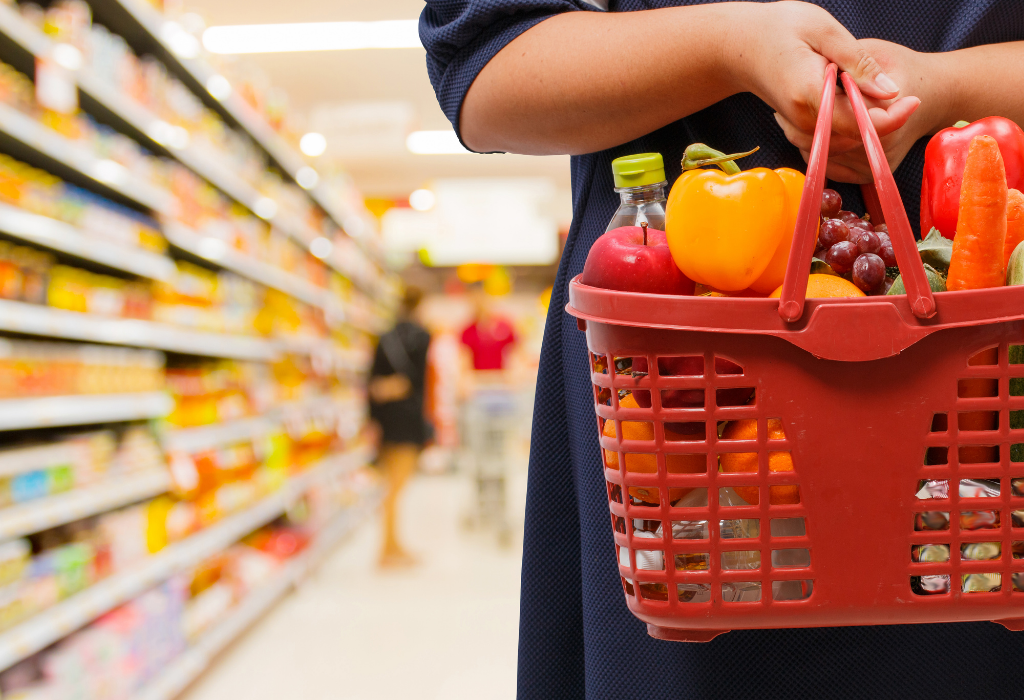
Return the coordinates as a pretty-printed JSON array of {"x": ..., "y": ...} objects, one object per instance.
[
  {"x": 977, "y": 258},
  {"x": 1014, "y": 223}
]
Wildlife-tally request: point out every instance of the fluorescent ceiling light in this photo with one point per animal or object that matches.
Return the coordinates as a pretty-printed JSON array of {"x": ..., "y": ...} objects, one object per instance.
[
  {"x": 434, "y": 143},
  {"x": 312, "y": 36},
  {"x": 313, "y": 144}
]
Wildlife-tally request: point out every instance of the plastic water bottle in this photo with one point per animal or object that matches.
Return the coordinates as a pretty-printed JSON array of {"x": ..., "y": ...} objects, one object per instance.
[{"x": 640, "y": 182}]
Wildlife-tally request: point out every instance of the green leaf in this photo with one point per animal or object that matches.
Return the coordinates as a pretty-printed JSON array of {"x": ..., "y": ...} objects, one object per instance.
[
  {"x": 936, "y": 250},
  {"x": 820, "y": 267}
]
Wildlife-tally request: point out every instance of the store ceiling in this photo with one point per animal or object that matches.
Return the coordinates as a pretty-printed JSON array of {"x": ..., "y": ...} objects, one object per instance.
[{"x": 366, "y": 101}]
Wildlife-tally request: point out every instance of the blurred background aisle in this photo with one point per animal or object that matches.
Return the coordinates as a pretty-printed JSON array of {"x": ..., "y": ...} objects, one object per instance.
[
  {"x": 446, "y": 630},
  {"x": 213, "y": 230}
]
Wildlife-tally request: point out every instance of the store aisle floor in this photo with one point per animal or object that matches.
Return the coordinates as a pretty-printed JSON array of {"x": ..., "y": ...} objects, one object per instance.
[{"x": 446, "y": 630}]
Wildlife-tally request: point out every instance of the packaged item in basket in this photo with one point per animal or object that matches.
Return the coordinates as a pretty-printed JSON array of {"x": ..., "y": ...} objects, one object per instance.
[{"x": 969, "y": 488}]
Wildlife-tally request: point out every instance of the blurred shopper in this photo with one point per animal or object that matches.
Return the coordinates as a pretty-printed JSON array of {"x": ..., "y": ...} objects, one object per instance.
[
  {"x": 489, "y": 338},
  {"x": 397, "y": 382},
  {"x": 489, "y": 412}
]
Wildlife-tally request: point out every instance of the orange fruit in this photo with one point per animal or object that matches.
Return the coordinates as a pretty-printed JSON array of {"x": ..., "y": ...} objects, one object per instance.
[
  {"x": 648, "y": 463},
  {"x": 825, "y": 286},
  {"x": 747, "y": 461}
]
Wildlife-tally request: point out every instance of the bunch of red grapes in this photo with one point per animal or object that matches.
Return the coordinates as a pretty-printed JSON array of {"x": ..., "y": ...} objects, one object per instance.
[{"x": 853, "y": 247}]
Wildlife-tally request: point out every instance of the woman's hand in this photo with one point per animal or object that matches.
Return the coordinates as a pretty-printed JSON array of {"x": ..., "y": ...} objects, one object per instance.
[{"x": 785, "y": 66}]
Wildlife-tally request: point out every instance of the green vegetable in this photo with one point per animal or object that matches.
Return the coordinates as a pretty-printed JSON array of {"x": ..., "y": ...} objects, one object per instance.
[
  {"x": 1014, "y": 277},
  {"x": 936, "y": 280},
  {"x": 1015, "y": 267},
  {"x": 935, "y": 250},
  {"x": 820, "y": 267}
]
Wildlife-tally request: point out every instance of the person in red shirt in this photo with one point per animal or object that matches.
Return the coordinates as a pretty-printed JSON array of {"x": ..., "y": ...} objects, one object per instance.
[{"x": 489, "y": 336}]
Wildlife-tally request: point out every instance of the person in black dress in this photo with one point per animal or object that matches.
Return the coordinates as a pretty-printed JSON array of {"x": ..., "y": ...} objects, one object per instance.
[
  {"x": 396, "y": 388},
  {"x": 599, "y": 79}
]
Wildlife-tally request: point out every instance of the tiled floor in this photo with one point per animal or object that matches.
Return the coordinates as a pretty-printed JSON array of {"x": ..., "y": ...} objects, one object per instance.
[{"x": 446, "y": 630}]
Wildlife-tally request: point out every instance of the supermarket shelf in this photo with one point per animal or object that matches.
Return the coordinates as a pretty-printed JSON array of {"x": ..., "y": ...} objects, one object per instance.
[
  {"x": 51, "y": 411},
  {"x": 155, "y": 132},
  {"x": 57, "y": 622},
  {"x": 152, "y": 131},
  {"x": 218, "y": 252},
  {"x": 62, "y": 237},
  {"x": 33, "y": 319},
  {"x": 209, "y": 436},
  {"x": 33, "y": 516},
  {"x": 145, "y": 28},
  {"x": 185, "y": 669},
  {"x": 106, "y": 174}
]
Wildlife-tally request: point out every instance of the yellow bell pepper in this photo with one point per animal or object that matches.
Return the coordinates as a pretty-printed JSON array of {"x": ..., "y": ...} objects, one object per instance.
[{"x": 727, "y": 229}]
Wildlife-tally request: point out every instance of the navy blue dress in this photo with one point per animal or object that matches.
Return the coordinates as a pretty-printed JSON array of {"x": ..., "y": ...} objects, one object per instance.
[{"x": 577, "y": 638}]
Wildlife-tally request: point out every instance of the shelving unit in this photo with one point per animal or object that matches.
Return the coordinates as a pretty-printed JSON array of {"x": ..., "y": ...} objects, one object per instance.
[
  {"x": 242, "y": 429},
  {"x": 34, "y": 516},
  {"x": 57, "y": 420},
  {"x": 59, "y": 236},
  {"x": 146, "y": 29},
  {"x": 85, "y": 409},
  {"x": 181, "y": 672},
  {"x": 57, "y": 622},
  {"x": 154, "y": 134},
  {"x": 77, "y": 163},
  {"x": 216, "y": 251},
  {"x": 33, "y": 319}
]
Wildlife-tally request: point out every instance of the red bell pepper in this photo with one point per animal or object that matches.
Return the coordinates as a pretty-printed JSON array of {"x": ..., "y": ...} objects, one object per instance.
[{"x": 944, "y": 161}]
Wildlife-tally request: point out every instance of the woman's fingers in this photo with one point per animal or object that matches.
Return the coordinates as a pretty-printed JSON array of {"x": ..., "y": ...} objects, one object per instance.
[
  {"x": 886, "y": 117},
  {"x": 802, "y": 139},
  {"x": 835, "y": 43}
]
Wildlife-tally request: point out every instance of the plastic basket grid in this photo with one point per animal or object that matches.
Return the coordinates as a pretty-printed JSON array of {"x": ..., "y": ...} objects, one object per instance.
[
  {"x": 705, "y": 574},
  {"x": 698, "y": 597}
]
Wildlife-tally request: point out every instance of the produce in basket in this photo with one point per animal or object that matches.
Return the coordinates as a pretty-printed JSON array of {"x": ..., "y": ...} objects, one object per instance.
[
  {"x": 687, "y": 366},
  {"x": 748, "y": 461},
  {"x": 853, "y": 247},
  {"x": 1014, "y": 222},
  {"x": 634, "y": 259},
  {"x": 648, "y": 463},
  {"x": 725, "y": 227},
  {"x": 824, "y": 286},
  {"x": 977, "y": 258},
  {"x": 945, "y": 157}
]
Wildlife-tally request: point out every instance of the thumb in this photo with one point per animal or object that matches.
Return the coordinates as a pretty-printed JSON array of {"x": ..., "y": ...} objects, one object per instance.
[{"x": 840, "y": 47}]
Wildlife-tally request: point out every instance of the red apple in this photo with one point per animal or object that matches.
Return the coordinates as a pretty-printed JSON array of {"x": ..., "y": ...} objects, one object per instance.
[
  {"x": 621, "y": 260},
  {"x": 689, "y": 366}
]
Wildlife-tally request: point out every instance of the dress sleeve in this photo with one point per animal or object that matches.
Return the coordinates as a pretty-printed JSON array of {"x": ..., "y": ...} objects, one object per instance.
[{"x": 461, "y": 36}]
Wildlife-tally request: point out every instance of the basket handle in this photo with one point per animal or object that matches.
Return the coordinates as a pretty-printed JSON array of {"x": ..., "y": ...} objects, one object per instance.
[{"x": 794, "y": 287}]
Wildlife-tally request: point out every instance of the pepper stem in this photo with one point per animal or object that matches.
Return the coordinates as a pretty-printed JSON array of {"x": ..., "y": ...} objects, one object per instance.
[
  {"x": 643, "y": 225},
  {"x": 961, "y": 124},
  {"x": 697, "y": 155}
]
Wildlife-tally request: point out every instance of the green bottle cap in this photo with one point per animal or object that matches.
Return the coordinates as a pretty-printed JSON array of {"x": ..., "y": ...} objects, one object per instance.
[{"x": 638, "y": 170}]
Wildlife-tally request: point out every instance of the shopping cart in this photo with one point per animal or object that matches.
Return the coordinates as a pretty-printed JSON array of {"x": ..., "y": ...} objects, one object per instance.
[
  {"x": 488, "y": 428},
  {"x": 867, "y": 396}
]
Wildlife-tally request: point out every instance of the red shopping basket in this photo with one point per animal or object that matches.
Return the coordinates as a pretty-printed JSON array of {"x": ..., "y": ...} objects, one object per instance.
[{"x": 896, "y": 509}]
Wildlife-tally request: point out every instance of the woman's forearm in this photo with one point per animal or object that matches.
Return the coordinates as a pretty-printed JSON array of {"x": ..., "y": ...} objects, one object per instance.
[
  {"x": 983, "y": 81},
  {"x": 585, "y": 81}
]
